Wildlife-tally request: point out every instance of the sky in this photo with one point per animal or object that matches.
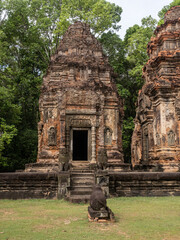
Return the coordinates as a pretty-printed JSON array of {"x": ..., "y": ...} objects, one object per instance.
[{"x": 135, "y": 10}]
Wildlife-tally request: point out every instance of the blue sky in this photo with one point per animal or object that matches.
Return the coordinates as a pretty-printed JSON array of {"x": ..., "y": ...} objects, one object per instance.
[{"x": 135, "y": 10}]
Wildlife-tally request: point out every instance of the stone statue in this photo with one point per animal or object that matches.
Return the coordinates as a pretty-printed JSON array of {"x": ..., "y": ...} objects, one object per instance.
[
  {"x": 144, "y": 105},
  {"x": 98, "y": 209},
  {"x": 102, "y": 159},
  {"x": 108, "y": 136},
  {"x": 158, "y": 139},
  {"x": 171, "y": 138},
  {"x": 52, "y": 136},
  {"x": 63, "y": 160},
  {"x": 45, "y": 115}
]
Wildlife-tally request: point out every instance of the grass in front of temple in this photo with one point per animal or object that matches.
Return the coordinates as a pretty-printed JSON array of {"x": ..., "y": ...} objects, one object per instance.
[{"x": 136, "y": 218}]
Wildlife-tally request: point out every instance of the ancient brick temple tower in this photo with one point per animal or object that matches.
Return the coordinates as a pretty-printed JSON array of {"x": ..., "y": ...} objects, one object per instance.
[
  {"x": 156, "y": 138},
  {"x": 80, "y": 109}
]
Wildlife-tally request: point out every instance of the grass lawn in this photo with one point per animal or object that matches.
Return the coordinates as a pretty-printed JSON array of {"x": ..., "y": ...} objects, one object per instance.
[{"x": 137, "y": 218}]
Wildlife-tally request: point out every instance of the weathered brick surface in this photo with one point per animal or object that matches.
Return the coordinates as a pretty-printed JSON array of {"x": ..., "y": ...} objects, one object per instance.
[
  {"x": 53, "y": 185},
  {"x": 28, "y": 185},
  {"x": 156, "y": 137},
  {"x": 79, "y": 92},
  {"x": 144, "y": 184}
]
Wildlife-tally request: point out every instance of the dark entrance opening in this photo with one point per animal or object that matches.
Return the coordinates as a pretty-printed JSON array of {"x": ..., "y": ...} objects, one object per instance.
[{"x": 80, "y": 145}]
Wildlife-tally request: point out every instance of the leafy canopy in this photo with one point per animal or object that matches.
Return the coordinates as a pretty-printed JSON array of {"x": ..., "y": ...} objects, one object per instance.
[
  {"x": 100, "y": 14},
  {"x": 30, "y": 31}
]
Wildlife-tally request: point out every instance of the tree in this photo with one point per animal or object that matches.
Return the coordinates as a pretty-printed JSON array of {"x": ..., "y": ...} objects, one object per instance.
[
  {"x": 99, "y": 14},
  {"x": 24, "y": 59},
  {"x": 114, "y": 48},
  {"x": 129, "y": 83},
  {"x": 30, "y": 31},
  {"x": 9, "y": 109}
]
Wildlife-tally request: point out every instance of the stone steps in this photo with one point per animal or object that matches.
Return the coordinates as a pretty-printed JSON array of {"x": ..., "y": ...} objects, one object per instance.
[
  {"x": 79, "y": 199},
  {"x": 80, "y": 165},
  {"x": 82, "y": 182},
  {"x": 83, "y": 192}
]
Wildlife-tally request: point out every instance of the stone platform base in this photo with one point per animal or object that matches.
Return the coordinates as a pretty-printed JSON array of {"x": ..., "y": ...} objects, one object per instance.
[
  {"x": 117, "y": 166},
  {"x": 146, "y": 184},
  {"x": 103, "y": 215},
  {"x": 42, "y": 167},
  {"x": 170, "y": 167},
  {"x": 57, "y": 185}
]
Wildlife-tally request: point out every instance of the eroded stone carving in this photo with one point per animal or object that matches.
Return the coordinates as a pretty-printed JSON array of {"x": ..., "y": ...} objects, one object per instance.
[
  {"x": 158, "y": 139},
  {"x": 102, "y": 158},
  {"x": 52, "y": 136},
  {"x": 63, "y": 160},
  {"x": 108, "y": 136},
  {"x": 98, "y": 209},
  {"x": 45, "y": 115},
  {"x": 171, "y": 138}
]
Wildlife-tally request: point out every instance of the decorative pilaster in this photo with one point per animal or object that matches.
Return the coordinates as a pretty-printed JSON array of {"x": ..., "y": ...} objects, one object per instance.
[{"x": 93, "y": 134}]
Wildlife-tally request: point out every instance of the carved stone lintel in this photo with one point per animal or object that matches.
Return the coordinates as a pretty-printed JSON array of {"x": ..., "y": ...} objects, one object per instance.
[{"x": 80, "y": 123}]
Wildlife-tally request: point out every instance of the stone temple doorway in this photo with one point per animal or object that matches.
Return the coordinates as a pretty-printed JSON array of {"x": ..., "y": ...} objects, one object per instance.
[{"x": 80, "y": 145}]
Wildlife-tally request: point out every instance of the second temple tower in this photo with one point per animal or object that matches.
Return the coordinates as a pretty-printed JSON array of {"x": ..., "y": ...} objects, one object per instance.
[{"x": 156, "y": 137}]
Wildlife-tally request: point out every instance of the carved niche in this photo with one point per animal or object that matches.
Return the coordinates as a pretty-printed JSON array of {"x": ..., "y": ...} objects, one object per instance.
[
  {"x": 171, "y": 138},
  {"x": 45, "y": 118},
  {"x": 144, "y": 105},
  {"x": 52, "y": 136},
  {"x": 158, "y": 139},
  {"x": 108, "y": 136}
]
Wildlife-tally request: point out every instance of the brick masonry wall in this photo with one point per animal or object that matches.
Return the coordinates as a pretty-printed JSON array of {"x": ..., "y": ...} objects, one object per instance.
[
  {"x": 144, "y": 184},
  {"x": 50, "y": 185},
  {"x": 28, "y": 185}
]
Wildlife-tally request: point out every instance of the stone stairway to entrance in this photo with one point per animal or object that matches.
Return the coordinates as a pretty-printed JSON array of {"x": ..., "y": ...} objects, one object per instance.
[{"x": 81, "y": 184}]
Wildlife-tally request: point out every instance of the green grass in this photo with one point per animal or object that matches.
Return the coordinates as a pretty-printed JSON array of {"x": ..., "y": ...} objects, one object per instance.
[{"x": 136, "y": 219}]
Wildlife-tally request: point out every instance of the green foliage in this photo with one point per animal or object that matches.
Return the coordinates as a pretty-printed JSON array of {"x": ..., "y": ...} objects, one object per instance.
[
  {"x": 22, "y": 150},
  {"x": 23, "y": 59},
  {"x": 113, "y": 47},
  {"x": 127, "y": 59},
  {"x": 128, "y": 126},
  {"x": 136, "y": 40},
  {"x": 131, "y": 80},
  {"x": 7, "y": 132},
  {"x": 29, "y": 34},
  {"x": 100, "y": 14},
  {"x": 165, "y": 9}
]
